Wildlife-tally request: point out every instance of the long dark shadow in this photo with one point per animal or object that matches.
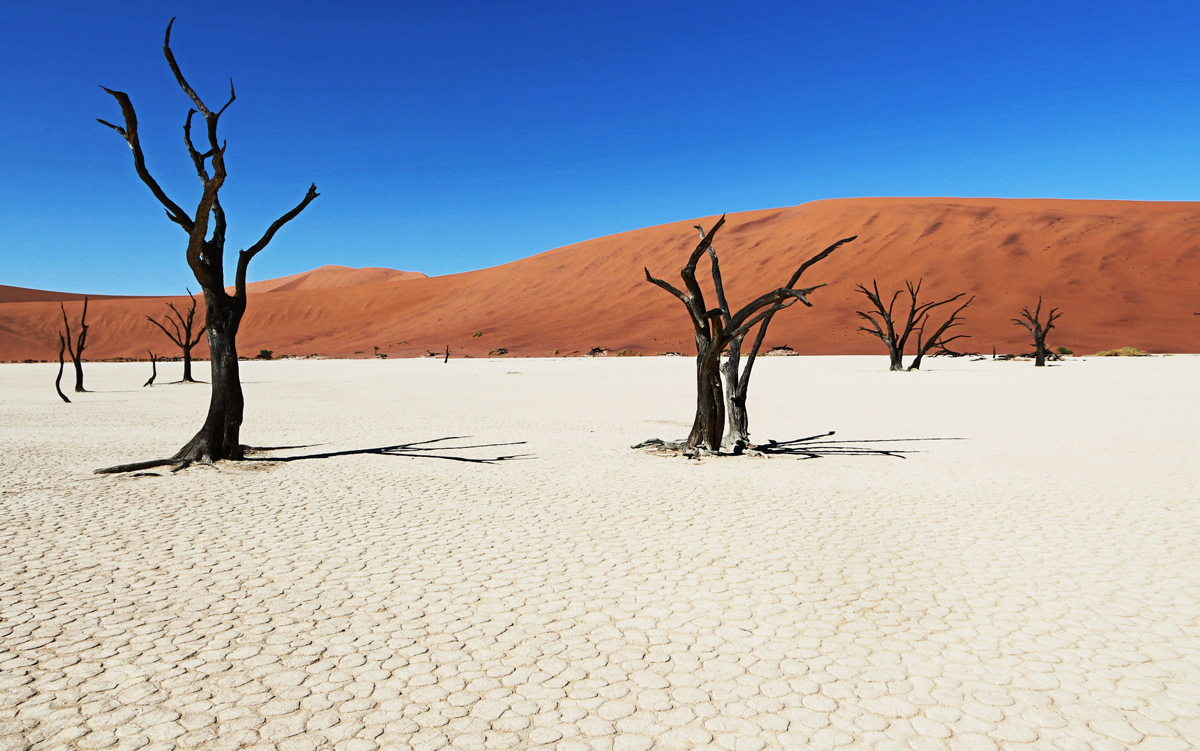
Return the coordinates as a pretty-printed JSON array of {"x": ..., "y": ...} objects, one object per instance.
[
  {"x": 812, "y": 447},
  {"x": 416, "y": 449}
]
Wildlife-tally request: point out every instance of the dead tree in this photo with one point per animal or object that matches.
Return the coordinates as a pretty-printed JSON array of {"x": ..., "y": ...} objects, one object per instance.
[
  {"x": 153, "y": 369},
  {"x": 714, "y": 332},
  {"x": 75, "y": 348},
  {"x": 1033, "y": 323},
  {"x": 895, "y": 334},
  {"x": 62, "y": 346},
  {"x": 736, "y": 376},
  {"x": 181, "y": 334},
  {"x": 218, "y": 438},
  {"x": 938, "y": 338}
]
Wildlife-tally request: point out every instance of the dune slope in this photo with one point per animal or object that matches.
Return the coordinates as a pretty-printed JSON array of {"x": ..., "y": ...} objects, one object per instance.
[{"x": 1124, "y": 273}]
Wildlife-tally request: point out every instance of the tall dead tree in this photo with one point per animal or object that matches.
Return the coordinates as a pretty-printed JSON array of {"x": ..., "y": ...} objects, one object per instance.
[
  {"x": 736, "y": 376},
  {"x": 181, "y": 333},
  {"x": 715, "y": 330},
  {"x": 75, "y": 347},
  {"x": 62, "y": 346},
  {"x": 218, "y": 438},
  {"x": 1033, "y": 323},
  {"x": 895, "y": 334}
]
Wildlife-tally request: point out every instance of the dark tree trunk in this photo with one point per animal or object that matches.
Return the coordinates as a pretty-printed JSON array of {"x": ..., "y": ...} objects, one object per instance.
[
  {"x": 709, "y": 422},
  {"x": 153, "y": 369},
  {"x": 1039, "y": 359},
  {"x": 219, "y": 437},
  {"x": 62, "y": 346},
  {"x": 187, "y": 366}
]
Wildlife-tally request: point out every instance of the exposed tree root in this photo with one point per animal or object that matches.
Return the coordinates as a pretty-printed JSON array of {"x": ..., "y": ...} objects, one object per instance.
[
  {"x": 680, "y": 448},
  {"x": 135, "y": 467}
]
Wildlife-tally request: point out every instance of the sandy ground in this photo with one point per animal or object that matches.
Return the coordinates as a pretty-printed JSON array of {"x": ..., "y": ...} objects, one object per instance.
[{"x": 1023, "y": 578}]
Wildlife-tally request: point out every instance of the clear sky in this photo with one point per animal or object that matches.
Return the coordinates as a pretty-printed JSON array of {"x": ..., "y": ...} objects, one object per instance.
[{"x": 451, "y": 136}]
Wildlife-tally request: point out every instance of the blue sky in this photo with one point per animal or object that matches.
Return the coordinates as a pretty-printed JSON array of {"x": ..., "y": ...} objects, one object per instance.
[{"x": 446, "y": 137}]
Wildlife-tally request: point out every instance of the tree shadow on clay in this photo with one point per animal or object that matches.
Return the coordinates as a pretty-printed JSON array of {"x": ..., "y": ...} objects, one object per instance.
[
  {"x": 813, "y": 447},
  {"x": 416, "y": 449}
]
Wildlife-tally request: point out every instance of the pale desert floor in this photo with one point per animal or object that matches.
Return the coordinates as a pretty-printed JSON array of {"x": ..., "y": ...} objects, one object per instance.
[{"x": 1025, "y": 578}]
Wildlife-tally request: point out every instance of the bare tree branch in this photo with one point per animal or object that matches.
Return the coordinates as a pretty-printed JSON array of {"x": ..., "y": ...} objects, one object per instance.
[
  {"x": 245, "y": 256},
  {"x": 130, "y": 134}
]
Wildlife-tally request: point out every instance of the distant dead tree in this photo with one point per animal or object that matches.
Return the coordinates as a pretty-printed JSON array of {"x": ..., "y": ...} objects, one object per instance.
[
  {"x": 1033, "y": 323},
  {"x": 896, "y": 333},
  {"x": 181, "y": 334},
  {"x": 153, "y": 369},
  {"x": 218, "y": 438},
  {"x": 715, "y": 331},
  {"x": 736, "y": 376},
  {"x": 62, "y": 346},
  {"x": 75, "y": 348}
]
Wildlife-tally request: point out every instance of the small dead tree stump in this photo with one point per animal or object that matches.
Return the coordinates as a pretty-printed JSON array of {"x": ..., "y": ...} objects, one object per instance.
[{"x": 153, "y": 369}]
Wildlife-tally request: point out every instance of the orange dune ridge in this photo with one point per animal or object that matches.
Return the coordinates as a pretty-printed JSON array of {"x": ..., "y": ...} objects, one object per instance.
[{"x": 1123, "y": 273}]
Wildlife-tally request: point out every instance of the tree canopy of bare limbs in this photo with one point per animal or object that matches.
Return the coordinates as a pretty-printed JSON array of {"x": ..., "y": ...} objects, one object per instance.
[
  {"x": 720, "y": 329},
  {"x": 75, "y": 346},
  {"x": 1032, "y": 321},
  {"x": 895, "y": 333},
  {"x": 181, "y": 333},
  {"x": 205, "y": 228}
]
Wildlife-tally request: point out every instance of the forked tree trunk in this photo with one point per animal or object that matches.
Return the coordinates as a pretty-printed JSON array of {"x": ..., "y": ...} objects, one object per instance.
[
  {"x": 75, "y": 348},
  {"x": 720, "y": 329}
]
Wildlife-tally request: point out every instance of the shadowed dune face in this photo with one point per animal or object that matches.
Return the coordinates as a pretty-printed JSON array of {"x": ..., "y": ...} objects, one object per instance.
[{"x": 1123, "y": 273}]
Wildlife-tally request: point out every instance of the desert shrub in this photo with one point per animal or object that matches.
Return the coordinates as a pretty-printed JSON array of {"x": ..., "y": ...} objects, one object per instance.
[
  {"x": 264, "y": 354},
  {"x": 498, "y": 352},
  {"x": 1065, "y": 352},
  {"x": 477, "y": 334},
  {"x": 1122, "y": 352}
]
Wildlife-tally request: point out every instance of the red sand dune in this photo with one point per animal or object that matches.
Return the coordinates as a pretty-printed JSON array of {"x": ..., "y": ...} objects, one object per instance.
[
  {"x": 332, "y": 276},
  {"x": 1124, "y": 273}
]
